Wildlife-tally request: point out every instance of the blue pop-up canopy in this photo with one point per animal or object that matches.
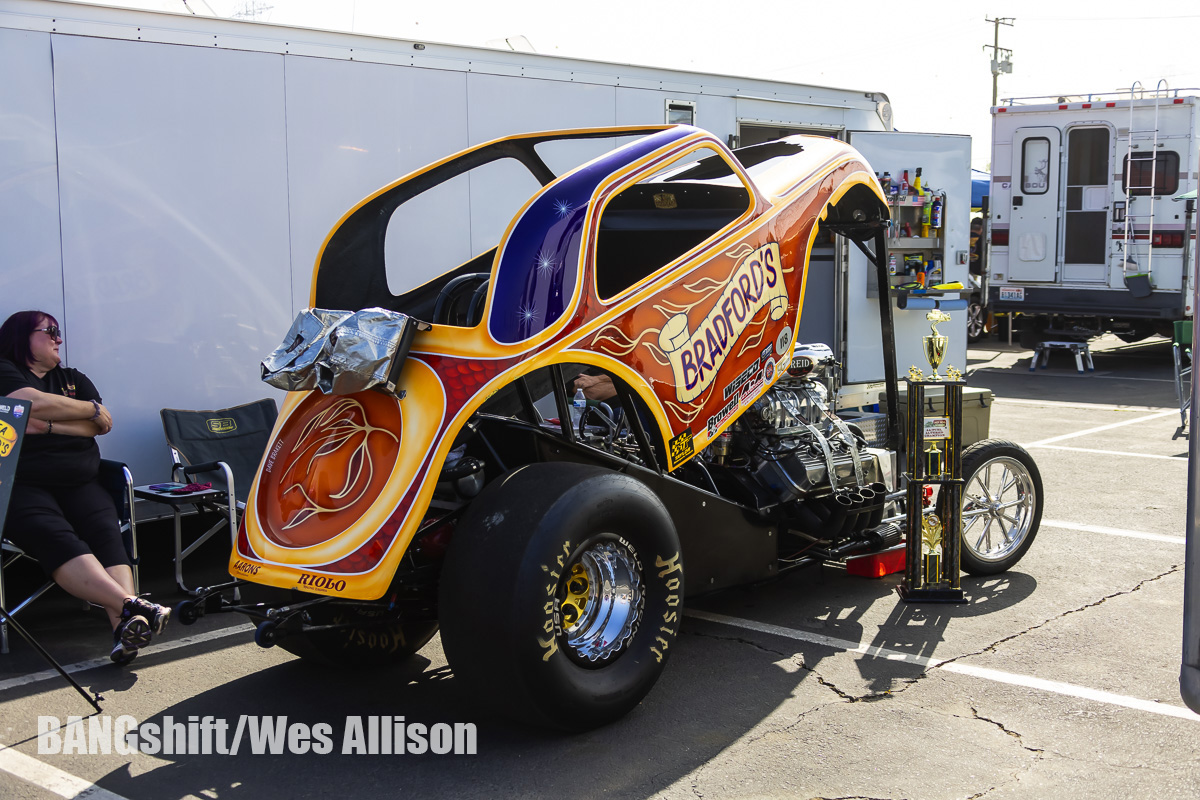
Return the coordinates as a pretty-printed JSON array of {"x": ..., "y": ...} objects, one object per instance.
[{"x": 981, "y": 186}]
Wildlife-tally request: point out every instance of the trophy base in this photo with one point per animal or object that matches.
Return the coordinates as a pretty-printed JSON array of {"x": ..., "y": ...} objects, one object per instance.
[{"x": 931, "y": 595}]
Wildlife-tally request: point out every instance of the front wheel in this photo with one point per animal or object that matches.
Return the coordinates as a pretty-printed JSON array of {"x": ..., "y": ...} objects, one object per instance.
[
  {"x": 976, "y": 320},
  {"x": 1001, "y": 506},
  {"x": 562, "y": 595}
]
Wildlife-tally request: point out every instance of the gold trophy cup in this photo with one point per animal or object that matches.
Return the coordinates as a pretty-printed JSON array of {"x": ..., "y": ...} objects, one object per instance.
[{"x": 935, "y": 343}]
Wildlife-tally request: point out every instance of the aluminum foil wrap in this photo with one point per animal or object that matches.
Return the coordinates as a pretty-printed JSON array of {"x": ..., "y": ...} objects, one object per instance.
[{"x": 341, "y": 352}]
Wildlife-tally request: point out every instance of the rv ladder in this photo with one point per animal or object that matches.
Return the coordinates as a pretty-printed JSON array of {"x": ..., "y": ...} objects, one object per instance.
[{"x": 1129, "y": 262}]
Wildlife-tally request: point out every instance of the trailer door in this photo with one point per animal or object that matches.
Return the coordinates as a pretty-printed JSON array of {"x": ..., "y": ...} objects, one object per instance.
[{"x": 1033, "y": 222}]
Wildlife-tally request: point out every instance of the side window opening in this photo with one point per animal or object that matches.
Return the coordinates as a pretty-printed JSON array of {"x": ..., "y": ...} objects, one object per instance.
[
  {"x": 656, "y": 220},
  {"x": 1137, "y": 173}
]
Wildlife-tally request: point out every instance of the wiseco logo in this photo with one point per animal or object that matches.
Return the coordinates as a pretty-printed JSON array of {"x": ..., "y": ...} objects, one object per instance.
[{"x": 222, "y": 425}]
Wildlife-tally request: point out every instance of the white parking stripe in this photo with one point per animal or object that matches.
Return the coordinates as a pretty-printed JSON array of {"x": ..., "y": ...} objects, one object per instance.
[
  {"x": 165, "y": 647},
  {"x": 1064, "y": 404},
  {"x": 1180, "y": 459},
  {"x": 1108, "y": 427},
  {"x": 1154, "y": 537},
  {"x": 1054, "y": 687},
  {"x": 52, "y": 779}
]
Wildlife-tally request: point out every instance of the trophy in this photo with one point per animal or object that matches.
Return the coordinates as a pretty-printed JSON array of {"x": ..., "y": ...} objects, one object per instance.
[{"x": 935, "y": 343}]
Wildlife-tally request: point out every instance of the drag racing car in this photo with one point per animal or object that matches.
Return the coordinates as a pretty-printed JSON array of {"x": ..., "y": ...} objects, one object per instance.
[{"x": 545, "y": 451}]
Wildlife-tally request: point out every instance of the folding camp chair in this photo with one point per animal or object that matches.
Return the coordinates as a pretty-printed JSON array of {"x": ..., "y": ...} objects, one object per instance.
[
  {"x": 1181, "y": 349},
  {"x": 223, "y": 447},
  {"x": 118, "y": 481}
]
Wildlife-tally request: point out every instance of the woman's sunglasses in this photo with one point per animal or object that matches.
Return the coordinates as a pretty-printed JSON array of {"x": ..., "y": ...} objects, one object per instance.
[{"x": 54, "y": 332}]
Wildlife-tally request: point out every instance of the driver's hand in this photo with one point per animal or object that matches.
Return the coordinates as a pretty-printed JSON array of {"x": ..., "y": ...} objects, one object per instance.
[{"x": 596, "y": 387}]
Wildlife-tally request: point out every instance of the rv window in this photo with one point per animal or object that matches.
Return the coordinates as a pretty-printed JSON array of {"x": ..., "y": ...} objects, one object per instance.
[
  {"x": 1136, "y": 174},
  {"x": 1087, "y": 157},
  {"x": 1035, "y": 166},
  {"x": 656, "y": 220}
]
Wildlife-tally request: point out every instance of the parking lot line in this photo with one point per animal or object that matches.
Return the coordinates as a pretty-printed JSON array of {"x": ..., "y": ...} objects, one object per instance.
[
  {"x": 1066, "y": 404},
  {"x": 52, "y": 779},
  {"x": 1180, "y": 459},
  {"x": 1014, "y": 679},
  {"x": 1154, "y": 537},
  {"x": 165, "y": 647},
  {"x": 1108, "y": 427}
]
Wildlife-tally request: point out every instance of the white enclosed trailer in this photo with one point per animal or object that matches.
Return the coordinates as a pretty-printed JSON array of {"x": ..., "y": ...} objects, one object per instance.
[
  {"x": 1084, "y": 235},
  {"x": 166, "y": 180}
]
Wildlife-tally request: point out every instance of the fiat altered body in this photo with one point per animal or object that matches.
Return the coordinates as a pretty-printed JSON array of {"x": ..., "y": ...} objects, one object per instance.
[{"x": 599, "y": 415}]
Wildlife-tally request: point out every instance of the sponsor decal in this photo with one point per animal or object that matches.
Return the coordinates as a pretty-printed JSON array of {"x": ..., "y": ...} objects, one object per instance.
[
  {"x": 783, "y": 342},
  {"x": 225, "y": 425},
  {"x": 732, "y": 387},
  {"x": 5, "y": 409},
  {"x": 321, "y": 582},
  {"x": 680, "y": 449},
  {"x": 696, "y": 356},
  {"x": 8, "y": 438},
  {"x": 18, "y": 411},
  {"x": 752, "y": 387},
  {"x": 725, "y": 413}
]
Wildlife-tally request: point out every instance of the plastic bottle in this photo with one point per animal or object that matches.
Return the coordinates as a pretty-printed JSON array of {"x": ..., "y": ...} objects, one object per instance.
[
  {"x": 904, "y": 184},
  {"x": 935, "y": 215},
  {"x": 917, "y": 184},
  {"x": 886, "y": 183},
  {"x": 577, "y": 406},
  {"x": 891, "y": 263}
]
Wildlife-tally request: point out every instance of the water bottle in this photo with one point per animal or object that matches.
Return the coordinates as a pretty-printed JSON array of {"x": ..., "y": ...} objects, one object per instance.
[{"x": 577, "y": 406}]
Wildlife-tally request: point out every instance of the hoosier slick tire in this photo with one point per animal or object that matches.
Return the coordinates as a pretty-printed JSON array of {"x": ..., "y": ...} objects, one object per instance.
[{"x": 562, "y": 595}]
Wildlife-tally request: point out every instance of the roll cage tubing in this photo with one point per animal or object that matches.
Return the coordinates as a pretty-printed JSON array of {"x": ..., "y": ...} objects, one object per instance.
[{"x": 351, "y": 270}]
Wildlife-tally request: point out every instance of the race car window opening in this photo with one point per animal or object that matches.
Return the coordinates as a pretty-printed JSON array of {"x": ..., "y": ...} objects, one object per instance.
[
  {"x": 652, "y": 222},
  {"x": 1165, "y": 166},
  {"x": 444, "y": 226}
]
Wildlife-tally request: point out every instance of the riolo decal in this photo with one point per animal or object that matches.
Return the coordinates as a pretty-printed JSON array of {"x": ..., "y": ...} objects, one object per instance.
[{"x": 696, "y": 357}]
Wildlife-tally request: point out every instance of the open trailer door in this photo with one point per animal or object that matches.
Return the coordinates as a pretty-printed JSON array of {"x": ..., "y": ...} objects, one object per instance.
[{"x": 945, "y": 163}]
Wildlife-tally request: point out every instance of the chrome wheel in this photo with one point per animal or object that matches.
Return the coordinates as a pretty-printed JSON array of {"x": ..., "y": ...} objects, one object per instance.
[
  {"x": 999, "y": 501},
  {"x": 601, "y": 600},
  {"x": 976, "y": 320}
]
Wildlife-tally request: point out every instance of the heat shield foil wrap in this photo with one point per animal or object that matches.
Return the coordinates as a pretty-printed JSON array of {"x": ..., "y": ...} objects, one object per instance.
[{"x": 341, "y": 352}]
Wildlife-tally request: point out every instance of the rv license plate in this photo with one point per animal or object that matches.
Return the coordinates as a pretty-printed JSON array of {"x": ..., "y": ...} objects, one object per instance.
[{"x": 1012, "y": 293}]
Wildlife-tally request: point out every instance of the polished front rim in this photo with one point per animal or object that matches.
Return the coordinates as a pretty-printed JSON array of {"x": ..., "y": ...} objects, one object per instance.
[
  {"x": 601, "y": 601},
  {"x": 998, "y": 505},
  {"x": 975, "y": 320}
]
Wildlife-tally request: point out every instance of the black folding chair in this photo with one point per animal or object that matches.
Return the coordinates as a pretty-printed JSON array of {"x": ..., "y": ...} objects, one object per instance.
[
  {"x": 117, "y": 480},
  {"x": 223, "y": 447}
]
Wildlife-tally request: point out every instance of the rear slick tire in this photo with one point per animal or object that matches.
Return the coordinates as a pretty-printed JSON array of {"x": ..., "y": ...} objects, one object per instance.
[{"x": 562, "y": 595}]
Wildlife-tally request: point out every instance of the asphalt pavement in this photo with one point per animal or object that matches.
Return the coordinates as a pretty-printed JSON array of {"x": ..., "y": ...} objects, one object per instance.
[{"x": 1058, "y": 679}]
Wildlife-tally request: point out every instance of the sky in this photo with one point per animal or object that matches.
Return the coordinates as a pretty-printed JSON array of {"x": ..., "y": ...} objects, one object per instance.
[{"x": 927, "y": 57}]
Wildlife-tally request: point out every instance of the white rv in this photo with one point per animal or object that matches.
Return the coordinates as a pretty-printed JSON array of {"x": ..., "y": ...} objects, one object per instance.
[
  {"x": 1085, "y": 236},
  {"x": 166, "y": 182}
]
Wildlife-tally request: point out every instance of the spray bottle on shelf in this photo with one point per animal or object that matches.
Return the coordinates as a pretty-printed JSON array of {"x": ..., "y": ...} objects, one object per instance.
[
  {"x": 926, "y": 215},
  {"x": 886, "y": 183},
  {"x": 904, "y": 185},
  {"x": 935, "y": 215},
  {"x": 917, "y": 184}
]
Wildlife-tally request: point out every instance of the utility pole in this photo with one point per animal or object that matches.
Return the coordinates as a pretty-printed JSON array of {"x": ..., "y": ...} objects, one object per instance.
[{"x": 1001, "y": 58}]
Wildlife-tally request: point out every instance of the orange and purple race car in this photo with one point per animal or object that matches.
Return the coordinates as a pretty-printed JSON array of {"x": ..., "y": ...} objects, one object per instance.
[{"x": 546, "y": 450}]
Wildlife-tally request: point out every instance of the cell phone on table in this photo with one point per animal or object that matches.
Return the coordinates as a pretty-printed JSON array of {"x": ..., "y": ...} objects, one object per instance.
[{"x": 166, "y": 487}]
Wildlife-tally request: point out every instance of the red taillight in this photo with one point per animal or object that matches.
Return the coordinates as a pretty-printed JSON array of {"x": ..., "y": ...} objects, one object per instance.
[
  {"x": 1000, "y": 237},
  {"x": 1063, "y": 107},
  {"x": 1169, "y": 239}
]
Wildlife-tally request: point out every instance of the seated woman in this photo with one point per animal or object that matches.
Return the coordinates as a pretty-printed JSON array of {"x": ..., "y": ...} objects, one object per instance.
[{"x": 59, "y": 513}]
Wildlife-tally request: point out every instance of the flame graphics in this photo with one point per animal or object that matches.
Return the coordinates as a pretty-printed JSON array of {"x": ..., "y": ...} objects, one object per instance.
[{"x": 337, "y": 461}]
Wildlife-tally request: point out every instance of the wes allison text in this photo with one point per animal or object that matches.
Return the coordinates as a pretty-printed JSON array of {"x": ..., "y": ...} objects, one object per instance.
[{"x": 259, "y": 735}]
